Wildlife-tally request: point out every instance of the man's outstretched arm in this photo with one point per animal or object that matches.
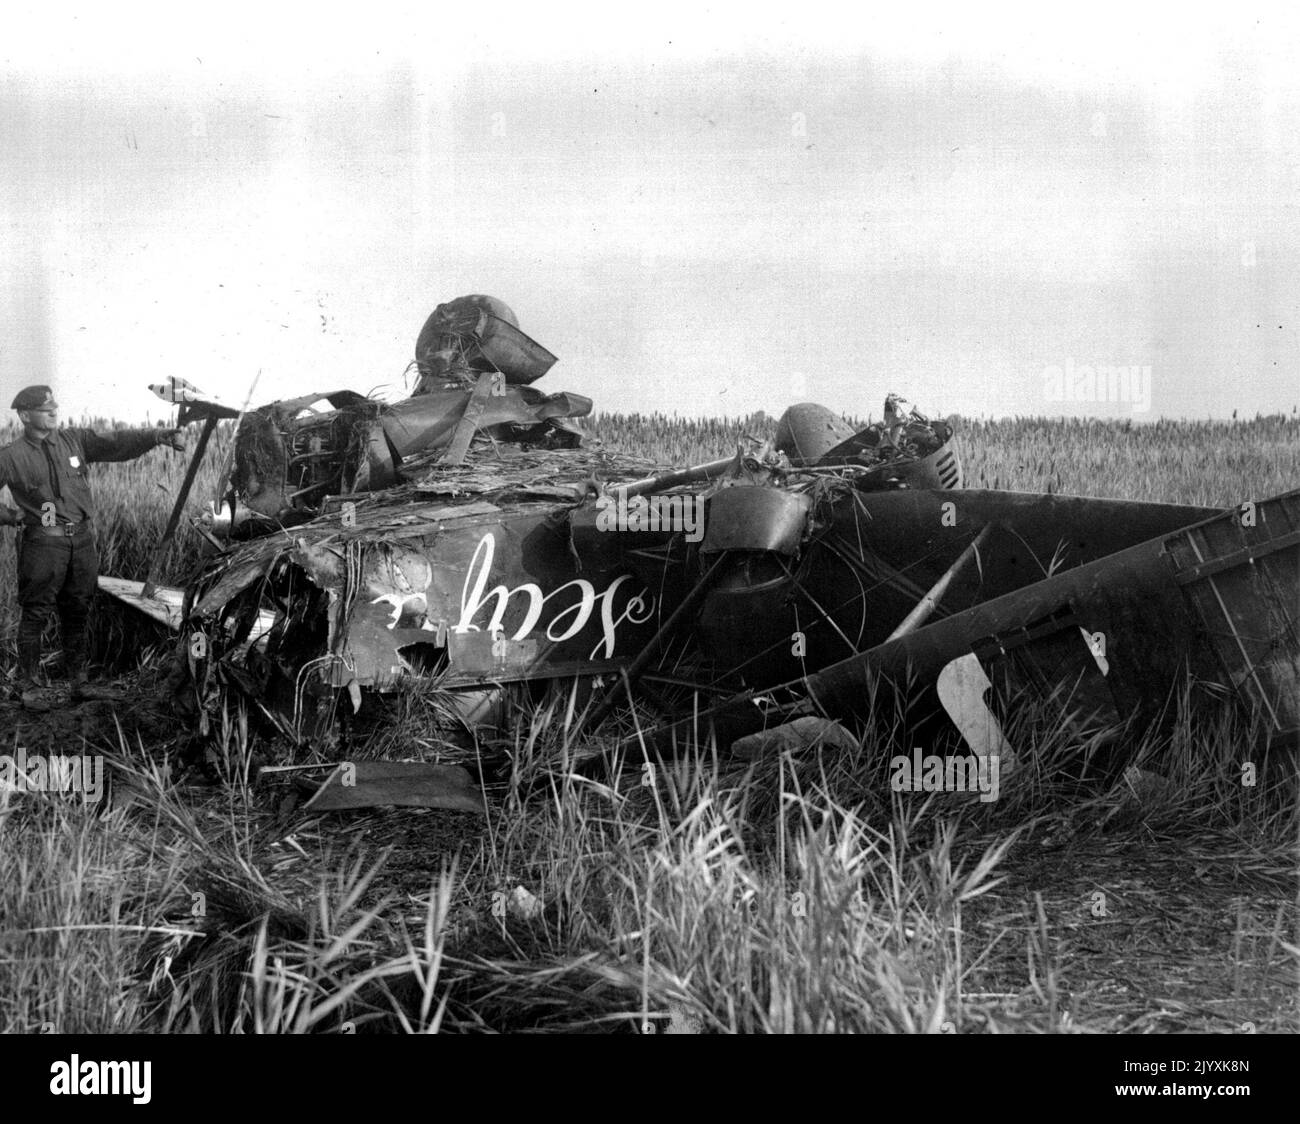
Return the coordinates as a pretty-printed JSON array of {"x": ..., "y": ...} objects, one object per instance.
[
  {"x": 9, "y": 516},
  {"x": 126, "y": 444}
]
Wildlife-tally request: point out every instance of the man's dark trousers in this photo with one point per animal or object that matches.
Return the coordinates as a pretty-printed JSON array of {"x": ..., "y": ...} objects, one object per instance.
[{"x": 56, "y": 573}]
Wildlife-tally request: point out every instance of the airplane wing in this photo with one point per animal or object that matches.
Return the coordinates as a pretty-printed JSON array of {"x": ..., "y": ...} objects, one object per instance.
[{"x": 164, "y": 606}]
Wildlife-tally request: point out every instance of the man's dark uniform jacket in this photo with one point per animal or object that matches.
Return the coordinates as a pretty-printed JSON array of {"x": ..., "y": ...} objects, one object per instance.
[
  {"x": 54, "y": 471},
  {"x": 57, "y": 561}
]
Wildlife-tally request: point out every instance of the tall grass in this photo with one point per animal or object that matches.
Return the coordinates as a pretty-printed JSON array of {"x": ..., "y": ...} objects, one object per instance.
[
  {"x": 796, "y": 894},
  {"x": 1210, "y": 463}
]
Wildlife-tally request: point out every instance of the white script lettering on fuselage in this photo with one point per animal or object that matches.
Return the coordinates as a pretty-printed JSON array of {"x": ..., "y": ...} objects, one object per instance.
[{"x": 567, "y": 623}]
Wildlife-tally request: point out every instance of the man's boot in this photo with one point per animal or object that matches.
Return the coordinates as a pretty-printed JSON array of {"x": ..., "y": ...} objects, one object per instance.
[{"x": 27, "y": 686}]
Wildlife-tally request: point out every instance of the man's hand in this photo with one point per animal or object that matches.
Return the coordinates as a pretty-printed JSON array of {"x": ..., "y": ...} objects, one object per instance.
[
  {"x": 10, "y": 517},
  {"x": 172, "y": 438}
]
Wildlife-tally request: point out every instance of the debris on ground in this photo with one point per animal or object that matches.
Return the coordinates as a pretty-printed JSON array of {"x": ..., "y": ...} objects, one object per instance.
[
  {"x": 409, "y": 784},
  {"x": 524, "y": 904},
  {"x": 795, "y": 737}
]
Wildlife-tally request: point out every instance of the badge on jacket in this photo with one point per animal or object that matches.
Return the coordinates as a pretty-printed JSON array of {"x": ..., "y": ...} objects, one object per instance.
[{"x": 75, "y": 461}]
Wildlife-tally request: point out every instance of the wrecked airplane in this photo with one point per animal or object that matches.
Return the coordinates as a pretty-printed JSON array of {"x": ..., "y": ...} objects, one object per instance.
[{"x": 468, "y": 538}]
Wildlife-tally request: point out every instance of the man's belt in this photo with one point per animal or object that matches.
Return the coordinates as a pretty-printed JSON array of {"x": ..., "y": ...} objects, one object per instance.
[{"x": 59, "y": 530}]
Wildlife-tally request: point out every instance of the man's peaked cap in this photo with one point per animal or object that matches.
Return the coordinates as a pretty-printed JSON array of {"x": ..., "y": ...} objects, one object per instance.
[{"x": 32, "y": 398}]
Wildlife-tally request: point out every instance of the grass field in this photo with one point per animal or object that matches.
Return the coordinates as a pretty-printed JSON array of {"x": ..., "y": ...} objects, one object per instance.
[{"x": 800, "y": 895}]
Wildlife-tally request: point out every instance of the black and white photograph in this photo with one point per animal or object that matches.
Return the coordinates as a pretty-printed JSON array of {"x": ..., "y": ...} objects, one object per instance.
[{"x": 686, "y": 519}]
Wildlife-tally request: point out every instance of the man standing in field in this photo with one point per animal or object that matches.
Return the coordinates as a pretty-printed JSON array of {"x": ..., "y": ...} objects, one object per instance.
[{"x": 45, "y": 470}]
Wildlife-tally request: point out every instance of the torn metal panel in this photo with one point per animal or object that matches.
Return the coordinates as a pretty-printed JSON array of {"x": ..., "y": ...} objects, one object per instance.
[
  {"x": 1055, "y": 658},
  {"x": 448, "y": 420},
  {"x": 410, "y": 784},
  {"x": 236, "y": 575},
  {"x": 165, "y": 606},
  {"x": 757, "y": 518},
  {"x": 489, "y": 382},
  {"x": 424, "y": 424},
  {"x": 1240, "y": 573}
]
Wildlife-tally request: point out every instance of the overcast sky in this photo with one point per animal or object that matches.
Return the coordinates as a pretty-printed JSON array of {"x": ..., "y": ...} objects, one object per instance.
[{"x": 698, "y": 209}]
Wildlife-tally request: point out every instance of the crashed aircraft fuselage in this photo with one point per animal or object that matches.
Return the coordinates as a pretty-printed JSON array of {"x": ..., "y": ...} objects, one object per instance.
[
  {"x": 477, "y": 593},
  {"x": 465, "y": 538}
]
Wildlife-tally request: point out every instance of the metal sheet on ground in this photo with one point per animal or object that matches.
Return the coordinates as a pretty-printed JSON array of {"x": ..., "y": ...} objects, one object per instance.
[
  {"x": 164, "y": 606},
  {"x": 411, "y": 784}
]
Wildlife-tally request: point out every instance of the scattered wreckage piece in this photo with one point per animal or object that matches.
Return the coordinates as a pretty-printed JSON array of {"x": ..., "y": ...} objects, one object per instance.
[
  {"x": 1241, "y": 575},
  {"x": 406, "y": 784},
  {"x": 795, "y": 737},
  {"x": 165, "y": 605}
]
